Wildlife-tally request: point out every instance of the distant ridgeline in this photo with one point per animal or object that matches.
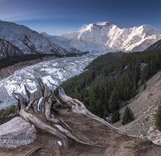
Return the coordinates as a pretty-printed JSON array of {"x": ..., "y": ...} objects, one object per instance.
[{"x": 112, "y": 79}]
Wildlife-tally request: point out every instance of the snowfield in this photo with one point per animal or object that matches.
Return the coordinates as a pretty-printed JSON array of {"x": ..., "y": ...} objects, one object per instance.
[{"x": 55, "y": 71}]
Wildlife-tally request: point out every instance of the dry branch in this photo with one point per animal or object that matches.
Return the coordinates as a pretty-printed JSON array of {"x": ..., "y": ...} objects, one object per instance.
[{"x": 43, "y": 101}]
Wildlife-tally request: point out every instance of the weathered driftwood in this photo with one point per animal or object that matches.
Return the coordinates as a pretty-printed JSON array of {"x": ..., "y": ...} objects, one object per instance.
[
  {"x": 79, "y": 107},
  {"x": 39, "y": 108}
]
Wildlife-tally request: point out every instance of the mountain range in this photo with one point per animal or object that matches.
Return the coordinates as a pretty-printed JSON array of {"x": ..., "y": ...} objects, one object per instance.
[
  {"x": 99, "y": 37},
  {"x": 27, "y": 40},
  {"x": 109, "y": 37}
]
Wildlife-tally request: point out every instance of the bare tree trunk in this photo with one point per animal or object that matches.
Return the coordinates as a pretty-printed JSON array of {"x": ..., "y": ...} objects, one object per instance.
[
  {"x": 43, "y": 101},
  {"x": 80, "y": 108}
]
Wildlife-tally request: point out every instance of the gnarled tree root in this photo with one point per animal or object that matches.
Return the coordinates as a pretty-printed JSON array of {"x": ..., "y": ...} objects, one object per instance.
[{"x": 45, "y": 98}]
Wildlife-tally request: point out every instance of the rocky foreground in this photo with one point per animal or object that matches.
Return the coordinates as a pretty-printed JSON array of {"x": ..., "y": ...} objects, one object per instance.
[
  {"x": 16, "y": 132},
  {"x": 70, "y": 131},
  {"x": 87, "y": 129}
]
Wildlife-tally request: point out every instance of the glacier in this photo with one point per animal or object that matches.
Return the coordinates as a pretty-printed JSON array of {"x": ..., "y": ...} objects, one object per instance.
[{"x": 56, "y": 71}]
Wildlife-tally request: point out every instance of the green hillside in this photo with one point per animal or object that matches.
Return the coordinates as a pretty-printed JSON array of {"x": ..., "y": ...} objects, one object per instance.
[{"x": 112, "y": 79}]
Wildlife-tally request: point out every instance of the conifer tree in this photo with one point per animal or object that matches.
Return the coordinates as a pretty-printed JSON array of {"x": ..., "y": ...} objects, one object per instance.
[
  {"x": 127, "y": 116},
  {"x": 114, "y": 102},
  {"x": 115, "y": 116},
  {"x": 158, "y": 118}
]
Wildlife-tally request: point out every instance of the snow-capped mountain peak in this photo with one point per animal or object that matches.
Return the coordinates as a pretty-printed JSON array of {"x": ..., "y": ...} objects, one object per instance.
[
  {"x": 96, "y": 26},
  {"x": 105, "y": 36},
  {"x": 86, "y": 28}
]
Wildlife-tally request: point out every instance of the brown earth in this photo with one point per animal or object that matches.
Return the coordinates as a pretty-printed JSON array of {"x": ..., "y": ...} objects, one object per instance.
[{"x": 86, "y": 129}]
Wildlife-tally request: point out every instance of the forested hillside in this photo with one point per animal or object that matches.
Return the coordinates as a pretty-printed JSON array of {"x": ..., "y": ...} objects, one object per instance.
[{"x": 112, "y": 79}]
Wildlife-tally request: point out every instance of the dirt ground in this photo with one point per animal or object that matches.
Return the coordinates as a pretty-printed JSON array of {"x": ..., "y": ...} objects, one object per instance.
[{"x": 86, "y": 129}]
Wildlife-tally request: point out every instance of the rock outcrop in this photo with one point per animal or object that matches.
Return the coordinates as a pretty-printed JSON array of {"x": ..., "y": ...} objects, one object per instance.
[{"x": 16, "y": 132}]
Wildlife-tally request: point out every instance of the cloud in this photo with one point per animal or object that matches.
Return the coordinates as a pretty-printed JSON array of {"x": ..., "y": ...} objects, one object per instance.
[{"x": 102, "y": 23}]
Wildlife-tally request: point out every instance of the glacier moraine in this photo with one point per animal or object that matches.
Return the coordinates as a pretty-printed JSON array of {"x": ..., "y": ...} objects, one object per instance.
[{"x": 55, "y": 71}]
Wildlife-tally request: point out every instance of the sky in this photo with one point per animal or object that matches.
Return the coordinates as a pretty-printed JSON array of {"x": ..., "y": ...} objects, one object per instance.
[{"x": 57, "y": 17}]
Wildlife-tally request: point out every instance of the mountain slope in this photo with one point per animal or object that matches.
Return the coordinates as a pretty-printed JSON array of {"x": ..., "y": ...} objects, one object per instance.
[
  {"x": 111, "y": 80},
  {"x": 8, "y": 50},
  {"x": 155, "y": 46},
  {"x": 109, "y": 37},
  {"x": 27, "y": 40},
  {"x": 144, "y": 107}
]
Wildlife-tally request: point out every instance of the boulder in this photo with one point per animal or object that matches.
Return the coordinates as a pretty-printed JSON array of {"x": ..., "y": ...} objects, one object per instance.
[{"x": 17, "y": 132}]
